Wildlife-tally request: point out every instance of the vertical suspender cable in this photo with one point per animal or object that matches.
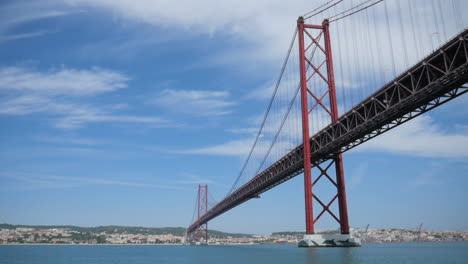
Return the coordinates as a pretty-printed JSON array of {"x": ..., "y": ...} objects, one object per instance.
[
  {"x": 371, "y": 50},
  {"x": 266, "y": 114},
  {"x": 412, "y": 29},
  {"x": 402, "y": 29},
  {"x": 377, "y": 40},
  {"x": 349, "y": 71},
  {"x": 340, "y": 58},
  {"x": 457, "y": 15},
  {"x": 389, "y": 35},
  {"x": 436, "y": 23},
  {"x": 442, "y": 19},
  {"x": 355, "y": 53}
]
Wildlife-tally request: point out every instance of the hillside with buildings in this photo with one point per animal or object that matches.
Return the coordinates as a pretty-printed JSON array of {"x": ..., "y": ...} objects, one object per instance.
[{"x": 26, "y": 234}]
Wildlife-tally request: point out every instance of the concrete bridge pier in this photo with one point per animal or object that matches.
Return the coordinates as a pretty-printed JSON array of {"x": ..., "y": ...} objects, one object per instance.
[{"x": 329, "y": 240}]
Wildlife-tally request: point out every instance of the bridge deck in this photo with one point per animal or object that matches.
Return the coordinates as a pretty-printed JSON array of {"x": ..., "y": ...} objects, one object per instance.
[{"x": 436, "y": 79}]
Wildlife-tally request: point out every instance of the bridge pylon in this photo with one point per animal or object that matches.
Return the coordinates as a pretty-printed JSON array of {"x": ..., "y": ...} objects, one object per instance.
[
  {"x": 316, "y": 61},
  {"x": 200, "y": 235}
]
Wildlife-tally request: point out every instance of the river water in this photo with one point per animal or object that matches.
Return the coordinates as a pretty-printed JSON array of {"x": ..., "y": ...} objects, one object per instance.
[{"x": 415, "y": 253}]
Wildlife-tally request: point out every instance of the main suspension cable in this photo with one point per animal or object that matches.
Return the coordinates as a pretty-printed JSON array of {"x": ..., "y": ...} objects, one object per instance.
[
  {"x": 323, "y": 10},
  {"x": 318, "y": 8},
  {"x": 332, "y": 19},
  {"x": 267, "y": 112},
  {"x": 286, "y": 114}
]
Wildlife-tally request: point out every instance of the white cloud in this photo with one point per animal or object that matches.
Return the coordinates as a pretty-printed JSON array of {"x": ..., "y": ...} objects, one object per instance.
[
  {"x": 70, "y": 115},
  {"x": 264, "y": 25},
  {"x": 207, "y": 16},
  {"x": 19, "y": 13},
  {"x": 70, "y": 82},
  {"x": 26, "y": 104},
  {"x": 262, "y": 30},
  {"x": 24, "y": 35},
  {"x": 71, "y": 122},
  {"x": 420, "y": 137},
  {"x": 60, "y": 182},
  {"x": 230, "y": 148},
  {"x": 22, "y": 12},
  {"x": 53, "y": 92},
  {"x": 246, "y": 130},
  {"x": 190, "y": 179},
  {"x": 267, "y": 24},
  {"x": 288, "y": 85},
  {"x": 195, "y": 102},
  {"x": 262, "y": 93}
]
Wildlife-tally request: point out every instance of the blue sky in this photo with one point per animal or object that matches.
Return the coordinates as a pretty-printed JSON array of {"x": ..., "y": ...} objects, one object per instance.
[{"x": 113, "y": 112}]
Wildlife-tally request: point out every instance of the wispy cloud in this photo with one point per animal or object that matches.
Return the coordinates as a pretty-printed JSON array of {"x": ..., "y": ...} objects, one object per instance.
[
  {"x": 245, "y": 130},
  {"x": 27, "y": 104},
  {"x": 54, "y": 182},
  {"x": 19, "y": 13},
  {"x": 262, "y": 93},
  {"x": 22, "y": 13},
  {"x": 420, "y": 137},
  {"x": 76, "y": 121},
  {"x": 195, "y": 102},
  {"x": 24, "y": 35},
  {"x": 264, "y": 26},
  {"x": 70, "y": 115},
  {"x": 286, "y": 87},
  {"x": 191, "y": 179},
  {"x": 70, "y": 82},
  {"x": 53, "y": 92},
  {"x": 230, "y": 148}
]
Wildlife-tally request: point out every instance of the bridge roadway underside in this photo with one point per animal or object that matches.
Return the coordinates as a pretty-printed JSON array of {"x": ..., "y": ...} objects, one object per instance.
[{"x": 438, "y": 78}]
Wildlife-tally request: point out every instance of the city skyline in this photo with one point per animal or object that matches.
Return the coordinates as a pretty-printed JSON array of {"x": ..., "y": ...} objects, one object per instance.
[
  {"x": 72, "y": 235},
  {"x": 112, "y": 114}
]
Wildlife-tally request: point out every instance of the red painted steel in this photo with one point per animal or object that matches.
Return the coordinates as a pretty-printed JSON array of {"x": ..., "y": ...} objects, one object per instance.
[
  {"x": 305, "y": 132},
  {"x": 332, "y": 110},
  {"x": 206, "y": 210},
  {"x": 202, "y": 228},
  {"x": 198, "y": 215},
  {"x": 311, "y": 26},
  {"x": 340, "y": 180}
]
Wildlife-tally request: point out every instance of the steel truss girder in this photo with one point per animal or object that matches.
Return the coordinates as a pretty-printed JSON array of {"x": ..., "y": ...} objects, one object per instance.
[{"x": 435, "y": 80}]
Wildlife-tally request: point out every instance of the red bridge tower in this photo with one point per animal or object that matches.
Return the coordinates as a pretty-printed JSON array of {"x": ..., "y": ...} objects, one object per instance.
[
  {"x": 315, "y": 58},
  {"x": 201, "y": 234}
]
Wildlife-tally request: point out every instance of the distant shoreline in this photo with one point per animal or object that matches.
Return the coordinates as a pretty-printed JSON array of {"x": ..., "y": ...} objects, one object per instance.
[
  {"x": 52, "y": 244},
  {"x": 246, "y": 244}
]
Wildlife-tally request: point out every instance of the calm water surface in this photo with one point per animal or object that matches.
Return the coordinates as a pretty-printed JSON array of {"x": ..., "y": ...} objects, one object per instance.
[{"x": 271, "y": 254}]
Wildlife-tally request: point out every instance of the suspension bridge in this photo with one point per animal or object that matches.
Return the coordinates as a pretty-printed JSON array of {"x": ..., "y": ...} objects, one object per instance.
[{"x": 380, "y": 63}]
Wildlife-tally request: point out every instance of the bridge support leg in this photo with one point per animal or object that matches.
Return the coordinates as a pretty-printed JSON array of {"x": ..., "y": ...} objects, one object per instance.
[
  {"x": 310, "y": 68},
  {"x": 342, "y": 202},
  {"x": 309, "y": 213}
]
